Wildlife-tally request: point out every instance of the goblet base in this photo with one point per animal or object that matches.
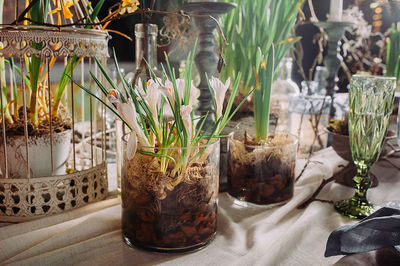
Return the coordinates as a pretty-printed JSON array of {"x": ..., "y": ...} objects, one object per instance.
[{"x": 355, "y": 208}]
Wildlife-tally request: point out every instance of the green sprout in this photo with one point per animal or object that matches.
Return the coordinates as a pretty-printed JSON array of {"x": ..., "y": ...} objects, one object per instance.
[
  {"x": 253, "y": 25},
  {"x": 278, "y": 20},
  {"x": 393, "y": 52},
  {"x": 38, "y": 13},
  {"x": 3, "y": 85}
]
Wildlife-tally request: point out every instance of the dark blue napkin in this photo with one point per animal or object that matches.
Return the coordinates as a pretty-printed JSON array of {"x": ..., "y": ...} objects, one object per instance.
[{"x": 379, "y": 230}]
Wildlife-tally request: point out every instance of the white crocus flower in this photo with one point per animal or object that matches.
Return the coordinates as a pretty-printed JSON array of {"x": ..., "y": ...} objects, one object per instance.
[
  {"x": 193, "y": 92},
  {"x": 127, "y": 111},
  {"x": 219, "y": 89},
  {"x": 180, "y": 85},
  {"x": 168, "y": 91},
  {"x": 153, "y": 97},
  {"x": 186, "y": 110},
  {"x": 153, "y": 100},
  {"x": 114, "y": 97}
]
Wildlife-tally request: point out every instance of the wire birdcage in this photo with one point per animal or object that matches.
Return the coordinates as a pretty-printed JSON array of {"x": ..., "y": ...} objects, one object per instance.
[{"x": 55, "y": 162}]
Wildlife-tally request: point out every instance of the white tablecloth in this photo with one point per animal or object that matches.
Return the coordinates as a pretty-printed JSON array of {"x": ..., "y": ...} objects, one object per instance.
[{"x": 245, "y": 236}]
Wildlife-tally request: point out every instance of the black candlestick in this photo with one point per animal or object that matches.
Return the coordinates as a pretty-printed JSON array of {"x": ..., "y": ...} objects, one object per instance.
[
  {"x": 206, "y": 59},
  {"x": 332, "y": 61}
]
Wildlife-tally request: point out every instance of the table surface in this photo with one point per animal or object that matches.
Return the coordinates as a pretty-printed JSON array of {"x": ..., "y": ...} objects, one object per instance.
[{"x": 283, "y": 235}]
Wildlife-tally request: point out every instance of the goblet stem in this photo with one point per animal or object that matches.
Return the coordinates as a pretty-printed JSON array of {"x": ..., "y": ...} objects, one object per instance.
[
  {"x": 362, "y": 182},
  {"x": 358, "y": 206}
]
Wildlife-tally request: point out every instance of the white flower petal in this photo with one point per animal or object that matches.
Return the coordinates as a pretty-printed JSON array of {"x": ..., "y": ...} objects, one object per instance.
[
  {"x": 153, "y": 98},
  {"x": 131, "y": 146},
  {"x": 180, "y": 85},
  {"x": 219, "y": 89},
  {"x": 127, "y": 112},
  {"x": 186, "y": 110},
  {"x": 194, "y": 95},
  {"x": 168, "y": 91}
]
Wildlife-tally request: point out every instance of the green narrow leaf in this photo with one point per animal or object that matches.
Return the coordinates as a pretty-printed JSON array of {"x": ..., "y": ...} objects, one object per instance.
[
  {"x": 105, "y": 74},
  {"x": 12, "y": 66},
  {"x": 95, "y": 12},
  {"x": 123, "y": 81},
  {"x": 100, "y": 100},
  {"x": 99, "y": 84},
  {"x": 26, "y": 79}
]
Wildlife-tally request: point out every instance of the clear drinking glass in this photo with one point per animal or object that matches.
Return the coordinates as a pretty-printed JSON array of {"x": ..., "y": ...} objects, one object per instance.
[
  {"x": 370, "y": 105},
  {"x": 308, "y": 116}
]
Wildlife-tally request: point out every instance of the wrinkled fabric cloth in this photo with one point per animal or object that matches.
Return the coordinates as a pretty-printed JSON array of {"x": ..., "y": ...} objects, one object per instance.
[
  {"x": 282, "y": 235},
  {"x": 379, "y": 230}
]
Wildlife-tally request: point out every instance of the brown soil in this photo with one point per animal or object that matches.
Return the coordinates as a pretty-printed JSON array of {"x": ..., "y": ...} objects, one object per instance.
[
  {"x": 60, "y": 123},
  {"x": 247, "y": 107},
  {"x": 262, "y": 174},
  {"x": 157, "y": 214}
]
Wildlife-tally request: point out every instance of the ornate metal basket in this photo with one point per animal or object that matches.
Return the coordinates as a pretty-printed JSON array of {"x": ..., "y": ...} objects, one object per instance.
[{"x": 79, "y": 178}]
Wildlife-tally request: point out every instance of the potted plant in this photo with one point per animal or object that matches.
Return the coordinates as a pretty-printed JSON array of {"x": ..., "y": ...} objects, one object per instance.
[
  {"x": 36, "y": 116},
  {"x": 171, "y": 162},
  {"x": 261, "y": 168},
  {"x": 42, "y": 124}
]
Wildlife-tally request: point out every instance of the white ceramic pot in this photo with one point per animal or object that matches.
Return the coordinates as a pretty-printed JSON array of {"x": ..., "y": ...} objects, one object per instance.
[{"x": 39, "y": 155}]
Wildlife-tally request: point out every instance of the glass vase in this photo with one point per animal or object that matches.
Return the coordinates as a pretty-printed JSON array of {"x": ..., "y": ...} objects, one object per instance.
[
  {"x": 281, "y": 88},
  {"x": 262, "y": 174},
  {"x": 170, "y": 211},
  {"x": 308, "y": 117}
]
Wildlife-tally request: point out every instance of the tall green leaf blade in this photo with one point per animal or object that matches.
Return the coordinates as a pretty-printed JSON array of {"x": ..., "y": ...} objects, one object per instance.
[{"x": 94, "y": 13}]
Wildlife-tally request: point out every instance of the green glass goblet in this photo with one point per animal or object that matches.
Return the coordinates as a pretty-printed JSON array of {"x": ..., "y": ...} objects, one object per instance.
[{"x": 370, "y": 105}]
